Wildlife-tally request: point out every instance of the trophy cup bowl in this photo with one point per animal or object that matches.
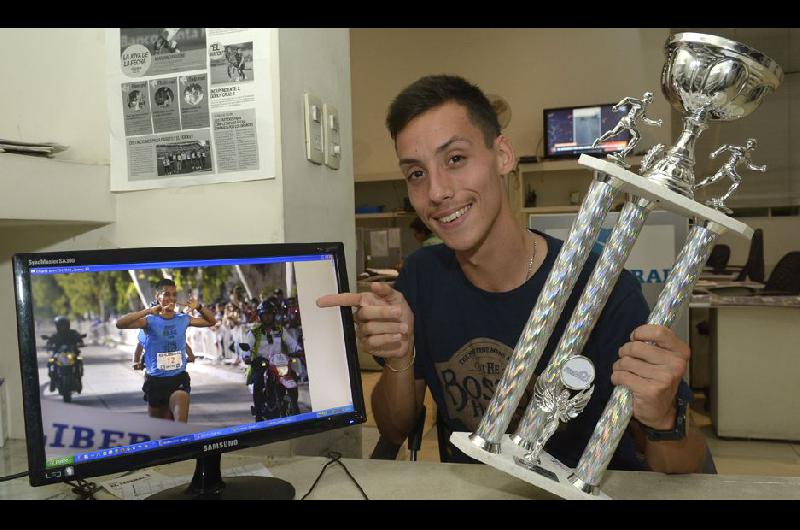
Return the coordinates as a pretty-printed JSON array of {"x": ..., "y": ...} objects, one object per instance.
[
  {"x": 707, "y": 78},
  {"x": 724, "y": 78}
]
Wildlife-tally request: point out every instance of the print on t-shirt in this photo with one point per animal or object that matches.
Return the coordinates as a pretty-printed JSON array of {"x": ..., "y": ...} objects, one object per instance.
[{"x": 469, "y": 379}]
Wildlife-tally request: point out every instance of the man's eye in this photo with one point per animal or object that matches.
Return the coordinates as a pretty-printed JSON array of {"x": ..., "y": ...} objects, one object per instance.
[
  {"x": 456, "y": 159},
  {"x": 413, "y": 175}
]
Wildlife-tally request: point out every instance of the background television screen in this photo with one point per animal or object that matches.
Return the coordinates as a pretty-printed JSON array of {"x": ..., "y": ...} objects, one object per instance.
[
  {"x": 570, "y": 131},
  {"x": 106, "y": 427}
]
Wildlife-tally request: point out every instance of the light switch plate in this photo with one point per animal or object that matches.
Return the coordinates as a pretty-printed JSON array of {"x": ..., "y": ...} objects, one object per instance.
[
  {"x": 333, "y": 143},
  {"x": 314, "y": 125}
]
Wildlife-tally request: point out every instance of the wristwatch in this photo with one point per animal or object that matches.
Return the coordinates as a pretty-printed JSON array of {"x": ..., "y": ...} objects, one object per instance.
[{"x": 674, "y": 434}]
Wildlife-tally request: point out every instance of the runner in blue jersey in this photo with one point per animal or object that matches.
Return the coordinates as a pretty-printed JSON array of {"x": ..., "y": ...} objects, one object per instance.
[{"x": 167, "y": 384}]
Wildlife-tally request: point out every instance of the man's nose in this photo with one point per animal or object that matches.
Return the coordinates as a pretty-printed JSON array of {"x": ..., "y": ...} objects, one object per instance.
[{"x": 441, "y": 186}]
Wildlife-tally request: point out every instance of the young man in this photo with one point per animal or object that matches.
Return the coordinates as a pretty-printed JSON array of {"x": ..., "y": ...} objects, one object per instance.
[
  {"x": 167, "y": 384},
  {"x": 458, "y": 309}
]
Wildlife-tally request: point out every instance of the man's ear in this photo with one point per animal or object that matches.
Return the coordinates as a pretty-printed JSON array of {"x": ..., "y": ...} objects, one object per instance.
[{"x": 506, "y": 158}]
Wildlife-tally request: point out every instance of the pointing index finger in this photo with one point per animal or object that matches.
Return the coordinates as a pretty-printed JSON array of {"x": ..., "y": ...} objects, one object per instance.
[{"x": 341, "y": 299}]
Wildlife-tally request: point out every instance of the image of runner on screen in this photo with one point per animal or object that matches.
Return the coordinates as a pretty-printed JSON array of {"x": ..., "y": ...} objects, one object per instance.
[{"x": 167, "y": 384}]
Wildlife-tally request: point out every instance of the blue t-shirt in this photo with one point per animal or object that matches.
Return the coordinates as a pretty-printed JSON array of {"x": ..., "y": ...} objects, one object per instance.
[
  {"x": 165, "y": 336},
  {"x": 465, "y": 336}
]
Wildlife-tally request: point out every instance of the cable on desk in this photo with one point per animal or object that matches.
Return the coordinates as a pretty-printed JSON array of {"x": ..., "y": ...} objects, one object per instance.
[
  {"x": 12, "y": 477},
  {"x": 83, "y": 489},
  {"x": 335, "y": 458}
]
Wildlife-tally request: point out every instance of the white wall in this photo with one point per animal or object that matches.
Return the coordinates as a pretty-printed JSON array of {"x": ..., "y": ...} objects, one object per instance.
[
  {"x": 59, "y": 95},
  {"x": 318, "y": 201},
  {"x": 53, "y": 89},
  {"x": 532, "y": 69}
]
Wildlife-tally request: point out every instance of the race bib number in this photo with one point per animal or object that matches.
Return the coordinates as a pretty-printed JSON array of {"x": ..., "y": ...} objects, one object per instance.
[{"x": 170, "y": 360}]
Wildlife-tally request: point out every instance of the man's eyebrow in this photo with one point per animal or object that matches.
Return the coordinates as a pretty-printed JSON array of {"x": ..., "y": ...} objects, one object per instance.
[
  {"x": 451, "y": 141},
  {"x": 439, "y": 149}
]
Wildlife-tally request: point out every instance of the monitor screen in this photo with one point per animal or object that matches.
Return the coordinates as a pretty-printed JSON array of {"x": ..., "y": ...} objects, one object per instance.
[
  {"x": 105, "y": 392},
  {"x": 570, "y": 131}
]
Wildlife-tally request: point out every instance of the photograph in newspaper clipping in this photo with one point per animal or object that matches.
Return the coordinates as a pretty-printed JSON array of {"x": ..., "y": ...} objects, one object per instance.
[
  {"x": 173, "y": 155},
  {"x": 169, "y": 50},
  {"x": 232, "y": 63},
  {"x": 136, "y": 108}
]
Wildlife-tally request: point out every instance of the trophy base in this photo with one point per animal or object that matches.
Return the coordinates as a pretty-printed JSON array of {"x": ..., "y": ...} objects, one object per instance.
[{"x": 548, "y": 474}]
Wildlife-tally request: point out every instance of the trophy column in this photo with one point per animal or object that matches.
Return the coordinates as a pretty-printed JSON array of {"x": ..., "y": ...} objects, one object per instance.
[
  {"x": 593, "y": 299},
  {"x": 618, "y": 411},
  {"x": 545, "y": 314}
]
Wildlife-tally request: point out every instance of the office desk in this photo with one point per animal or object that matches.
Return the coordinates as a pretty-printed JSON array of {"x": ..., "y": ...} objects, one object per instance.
[
  {"x": 753, "y": 364},
  {"x": 755, "y": 368},
  {"x": 397, "y": 480}
]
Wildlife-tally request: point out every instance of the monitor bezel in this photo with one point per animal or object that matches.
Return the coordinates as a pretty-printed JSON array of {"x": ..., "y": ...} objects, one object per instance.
[
  {"x": 26, "y": 336},
  {"x": 561, "y": 156}
]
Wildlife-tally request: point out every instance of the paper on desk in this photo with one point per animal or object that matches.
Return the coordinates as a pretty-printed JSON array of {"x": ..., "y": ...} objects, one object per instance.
[{"x": 142, "y": 484}]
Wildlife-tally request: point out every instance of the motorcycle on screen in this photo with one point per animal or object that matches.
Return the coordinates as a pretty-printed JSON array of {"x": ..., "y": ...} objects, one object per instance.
[{"x": 65, "y": 366}]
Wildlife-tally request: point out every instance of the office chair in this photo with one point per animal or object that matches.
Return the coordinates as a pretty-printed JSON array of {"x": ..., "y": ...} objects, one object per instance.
[
  {"x": 754, "y": 268},
  {"x": 718, "y": 259},
  {"x": 785, "y": 277},
  {"x": 386, "y": 450}
]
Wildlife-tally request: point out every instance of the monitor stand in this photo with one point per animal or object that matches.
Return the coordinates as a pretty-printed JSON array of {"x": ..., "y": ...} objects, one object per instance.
[{"x": 207, "y": 484}]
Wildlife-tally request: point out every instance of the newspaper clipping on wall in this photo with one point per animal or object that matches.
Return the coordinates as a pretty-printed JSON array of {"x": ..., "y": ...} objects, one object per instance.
[{"x": 190, "y": 106}]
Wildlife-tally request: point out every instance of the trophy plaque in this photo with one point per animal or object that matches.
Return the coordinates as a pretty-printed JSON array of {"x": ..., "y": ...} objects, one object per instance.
[{"x": 708, "y": 79}]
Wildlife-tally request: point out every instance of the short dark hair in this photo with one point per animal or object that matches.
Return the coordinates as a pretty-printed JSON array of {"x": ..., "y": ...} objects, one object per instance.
[
  {"x": 434, "y": 90},
  {"x": 163, "y": 284}
]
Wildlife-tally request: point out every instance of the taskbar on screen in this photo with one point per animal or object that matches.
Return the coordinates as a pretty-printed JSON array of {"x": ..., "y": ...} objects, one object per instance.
[{"x": 174, "y": 441}]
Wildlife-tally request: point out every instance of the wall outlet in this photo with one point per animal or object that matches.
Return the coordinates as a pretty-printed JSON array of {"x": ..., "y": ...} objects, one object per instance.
[
  {"x": 333, "y": 144},
  {"x": 314, "y": 125}
]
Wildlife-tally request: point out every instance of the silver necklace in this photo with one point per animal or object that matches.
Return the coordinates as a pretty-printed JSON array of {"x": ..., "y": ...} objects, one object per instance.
[{"x": 530, "y": 263}]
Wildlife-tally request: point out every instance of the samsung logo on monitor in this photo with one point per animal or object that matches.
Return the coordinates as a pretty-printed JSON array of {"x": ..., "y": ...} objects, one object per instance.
[{"x": 220, "y": 445}]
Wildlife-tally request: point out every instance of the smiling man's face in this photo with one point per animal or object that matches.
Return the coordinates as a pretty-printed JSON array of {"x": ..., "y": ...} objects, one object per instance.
[{"x": 454, "y": 180}]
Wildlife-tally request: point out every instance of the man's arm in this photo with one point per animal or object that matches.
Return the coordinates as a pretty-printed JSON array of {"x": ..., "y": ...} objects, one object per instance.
[
  {"x": 136, "y": 320},
  {"x": 137, "y": 356},
  {"x": 680, "y": 456},
  {"x": 651, "y": 366},
  {"x": 208, "y": 318},
  {"x": 396, "y": 403},
  {"x": 385, "y": 329}
]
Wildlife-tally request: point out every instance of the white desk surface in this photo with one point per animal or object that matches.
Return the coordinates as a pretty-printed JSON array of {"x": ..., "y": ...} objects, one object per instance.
[{"x": 398, "y": 480}]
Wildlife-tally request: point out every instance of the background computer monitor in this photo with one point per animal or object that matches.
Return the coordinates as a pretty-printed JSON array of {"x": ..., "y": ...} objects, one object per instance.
[
  {"x": 105, "y": 428},
  {"x": 570, "y": 131}
]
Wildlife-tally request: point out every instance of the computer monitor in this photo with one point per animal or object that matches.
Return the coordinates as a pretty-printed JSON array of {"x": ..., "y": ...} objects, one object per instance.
[
  {"x": 570, "y": 131},
  {"x": 84, "y": 404}
]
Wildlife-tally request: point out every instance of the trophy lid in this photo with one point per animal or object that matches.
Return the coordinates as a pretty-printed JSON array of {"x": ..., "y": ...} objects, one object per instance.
[
  {"x": 770, "y": 70},
  {"x": 717, "y": 78}
]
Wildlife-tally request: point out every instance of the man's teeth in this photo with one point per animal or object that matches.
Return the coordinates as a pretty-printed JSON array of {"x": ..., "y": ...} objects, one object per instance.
[{"x": 455, "y": 215}]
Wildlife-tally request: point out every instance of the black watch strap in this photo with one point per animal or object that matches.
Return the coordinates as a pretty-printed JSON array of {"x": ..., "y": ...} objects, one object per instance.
[{"x": 674, "y": 434}]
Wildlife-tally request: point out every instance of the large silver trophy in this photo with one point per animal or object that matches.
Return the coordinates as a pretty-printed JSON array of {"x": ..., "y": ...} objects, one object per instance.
[{"x": 707, "y": 78}]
